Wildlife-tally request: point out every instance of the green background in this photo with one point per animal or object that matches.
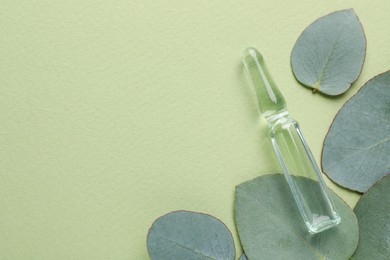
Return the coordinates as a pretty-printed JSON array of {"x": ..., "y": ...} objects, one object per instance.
[{"x": 113, "y": 113}]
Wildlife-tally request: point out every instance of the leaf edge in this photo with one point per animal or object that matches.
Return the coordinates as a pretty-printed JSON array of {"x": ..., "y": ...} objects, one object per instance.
[
  {"x": 317, "y": 89},
  {"x": 326, "y": 136}
]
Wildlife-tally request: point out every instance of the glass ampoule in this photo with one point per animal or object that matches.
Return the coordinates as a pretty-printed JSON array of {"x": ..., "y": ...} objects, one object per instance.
[{"x": 314, "y": 202}]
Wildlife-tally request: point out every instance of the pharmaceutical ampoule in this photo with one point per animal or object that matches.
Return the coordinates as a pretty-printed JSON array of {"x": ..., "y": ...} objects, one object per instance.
[{"x": 316, "y": 206}]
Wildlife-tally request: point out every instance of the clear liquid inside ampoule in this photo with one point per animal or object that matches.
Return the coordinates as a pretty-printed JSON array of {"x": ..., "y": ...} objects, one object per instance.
[{"x": 296, "y": 159}]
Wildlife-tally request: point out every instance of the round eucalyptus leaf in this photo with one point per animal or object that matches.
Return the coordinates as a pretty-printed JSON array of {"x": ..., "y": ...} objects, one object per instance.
[
  {"x": 356, "y": 150},
  {"x": 373, "y": 213},
  {"x": 271, "y": 227},
  {"x": 329, "y": 54},
  {"x": 190, "y": 235}
]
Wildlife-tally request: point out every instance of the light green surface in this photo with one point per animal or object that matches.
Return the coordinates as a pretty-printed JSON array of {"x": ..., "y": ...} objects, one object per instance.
[{"x": 116, "y": 112}]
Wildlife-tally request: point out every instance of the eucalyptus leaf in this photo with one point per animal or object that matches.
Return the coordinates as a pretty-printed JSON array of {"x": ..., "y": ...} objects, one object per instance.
[
  {"x": 243, "y": 257},
  {"x": 356, "y": 149},
  {"x": 270, "y": 226},
  {"x": 329, "y": 54},
  {"x": 190, "y": 235},
  {"x": 373, "y": 213}
]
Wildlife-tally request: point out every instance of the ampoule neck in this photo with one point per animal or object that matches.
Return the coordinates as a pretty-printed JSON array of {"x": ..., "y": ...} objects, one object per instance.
[{"x": 282, "y": 115}]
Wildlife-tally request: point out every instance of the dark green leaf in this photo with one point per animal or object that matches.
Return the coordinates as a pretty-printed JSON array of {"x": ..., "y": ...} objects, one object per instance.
[
  {"x": 356, "y": 150},
  {"x": 329, "y": 54},
  {"x": 373, "y": 213},
  {"x": 190, "y": 235},
  {"x": 270, "y": 226}
]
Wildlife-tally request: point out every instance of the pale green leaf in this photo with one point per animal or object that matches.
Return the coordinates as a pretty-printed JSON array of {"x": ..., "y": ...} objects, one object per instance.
[
  {"x": 356, "y": 150},
  {"x": 373, "y": 213},
  {"x": 190, "y": 235},
  {"x": 329, "y": 54},
  {"x": 271, "y": 227}
]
